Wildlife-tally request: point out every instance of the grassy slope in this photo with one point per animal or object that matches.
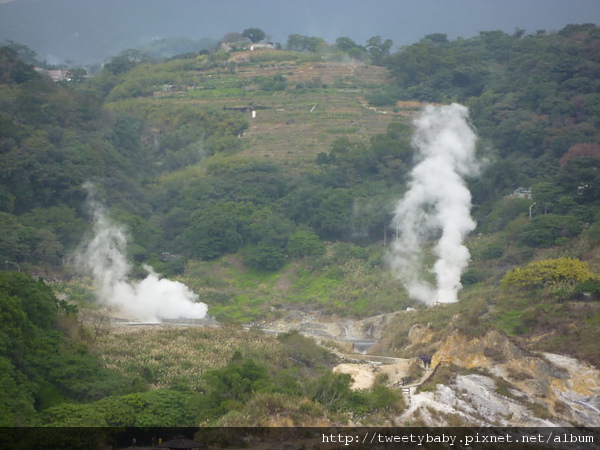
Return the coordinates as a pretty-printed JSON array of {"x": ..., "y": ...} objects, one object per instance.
[{"x": 347, "y": 286}]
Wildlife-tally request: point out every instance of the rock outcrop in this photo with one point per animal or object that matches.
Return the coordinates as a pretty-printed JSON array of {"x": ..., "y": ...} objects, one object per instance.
[
  {"x": 487, "y": 381},
  {"x": 496, "y": 382}
]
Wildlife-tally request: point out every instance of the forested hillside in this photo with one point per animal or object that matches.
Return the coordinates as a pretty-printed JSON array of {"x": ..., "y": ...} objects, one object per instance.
[
  {"x": 291, "y": 213},
  {"x": 533, "y": 100},
  {"x": 533, "y": 97},
  {"x": 43, "y": 365}
]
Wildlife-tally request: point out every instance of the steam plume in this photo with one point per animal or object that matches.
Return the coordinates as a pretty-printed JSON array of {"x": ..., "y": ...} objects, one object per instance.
[
  {"x": 436, "y": 206},
  {"x": 151, "y": 299}
]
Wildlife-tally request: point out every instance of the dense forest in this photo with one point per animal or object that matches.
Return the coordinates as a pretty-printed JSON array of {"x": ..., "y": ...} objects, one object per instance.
[{"x": 170, "y": 173}]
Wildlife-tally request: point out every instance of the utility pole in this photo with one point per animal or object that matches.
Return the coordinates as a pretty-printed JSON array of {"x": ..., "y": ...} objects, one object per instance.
[{"x": 531, "y": 206}]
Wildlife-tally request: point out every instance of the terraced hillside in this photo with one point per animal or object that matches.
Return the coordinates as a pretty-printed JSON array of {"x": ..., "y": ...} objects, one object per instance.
[{"x": 300, "y": 107}]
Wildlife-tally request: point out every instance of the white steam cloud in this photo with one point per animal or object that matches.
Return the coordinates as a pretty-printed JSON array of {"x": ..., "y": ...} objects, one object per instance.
[
  {"x": 151, "y": 299},
  {"x": 436, "y": 206}
]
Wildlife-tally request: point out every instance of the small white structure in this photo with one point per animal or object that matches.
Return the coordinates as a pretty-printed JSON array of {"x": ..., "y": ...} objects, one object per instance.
[
  {"x": 268, "y": 45},
  {"x": 522, "y": 192}
]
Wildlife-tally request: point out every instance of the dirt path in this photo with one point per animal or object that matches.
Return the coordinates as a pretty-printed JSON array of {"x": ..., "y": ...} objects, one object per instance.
[{"x": 364, "y": 374}]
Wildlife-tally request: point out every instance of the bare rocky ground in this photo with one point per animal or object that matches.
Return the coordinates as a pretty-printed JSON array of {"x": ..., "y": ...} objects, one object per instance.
[
  {"x": 491, "y": 382},
  {"x": 333, "y": 328},
  {"x": 351, "y": 339}
]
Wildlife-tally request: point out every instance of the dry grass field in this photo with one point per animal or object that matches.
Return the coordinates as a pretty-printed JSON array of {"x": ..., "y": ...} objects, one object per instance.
[{"x": 171, "y": 356}]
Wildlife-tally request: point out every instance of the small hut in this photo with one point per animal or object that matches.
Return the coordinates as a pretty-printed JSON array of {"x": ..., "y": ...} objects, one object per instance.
[{"x": 181, "y": 442}]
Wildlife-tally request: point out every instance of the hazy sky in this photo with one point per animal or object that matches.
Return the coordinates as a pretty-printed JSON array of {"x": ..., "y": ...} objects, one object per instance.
[{"x": 85, "y": 30}]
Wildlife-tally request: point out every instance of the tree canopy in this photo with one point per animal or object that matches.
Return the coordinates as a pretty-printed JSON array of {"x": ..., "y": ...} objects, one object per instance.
[{"x": 254, "y": 34}]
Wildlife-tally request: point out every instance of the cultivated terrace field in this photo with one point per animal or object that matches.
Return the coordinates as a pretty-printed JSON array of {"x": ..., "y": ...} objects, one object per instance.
[{"x": 301, "y": 103}]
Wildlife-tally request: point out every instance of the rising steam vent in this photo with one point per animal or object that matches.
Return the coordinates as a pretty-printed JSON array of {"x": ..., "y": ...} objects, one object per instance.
[
  {"x": 151, "y": 299},
  {"x": 434, "y": 214}
]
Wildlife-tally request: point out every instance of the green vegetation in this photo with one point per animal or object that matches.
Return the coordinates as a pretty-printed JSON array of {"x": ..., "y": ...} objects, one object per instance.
[
  {"x": 52, "y": 378},
  {"x": 288, "y": 210},
  {"x": 40, "y": 367},
  {"x": 554, "y": 275},
  {"x": 145, "y": 409},
  {"x": 334, "y": 282}
]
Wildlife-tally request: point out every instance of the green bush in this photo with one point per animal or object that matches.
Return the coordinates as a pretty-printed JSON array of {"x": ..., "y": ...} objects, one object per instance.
[
  {"x": 264, "y": 257},
  {"x": 493, "y": 250},
  {"x": 383, "y": 399},
  {"x": 305, "y": 243},
  {"x": 343, "y": 251},
  {"x": 381, "y": 98},
  {"x": 146, "y": 409},
  {"x": 227, "y": 389},
  {"x": 333, "y": 390},
  {"x": 594, "y": 231},
  {"x": 587, "y": 290},
  {"x": 546, "y": 230},
  {"x": 274, "y": 83},
  {"x": 304, "y": 350}
]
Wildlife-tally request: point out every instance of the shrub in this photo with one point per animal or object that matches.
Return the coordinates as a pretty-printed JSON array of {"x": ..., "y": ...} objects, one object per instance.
[
  {"x": 381, "y": 98},
  {"x": 493, "y": 250},
  {"x": 265, "y": 257},
  {"x": 382, "y": 398},
  {"x": 550, "y": 273},
  {"x": 304, "y": 350},
  {"x": 267, "y": 409},
  {"x": 227, "y": 389},
  {"x": 548, "y": 229},
  {"x": 587, "y": 290},
  {"x": 305, "y": 243},
  {"x": 146, "y": 409},
  {"x": 344, "y": 251}
]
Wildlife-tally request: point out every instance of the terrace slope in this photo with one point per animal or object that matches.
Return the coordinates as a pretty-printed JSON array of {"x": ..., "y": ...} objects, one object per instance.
[{"x": 322, "y": 101}]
